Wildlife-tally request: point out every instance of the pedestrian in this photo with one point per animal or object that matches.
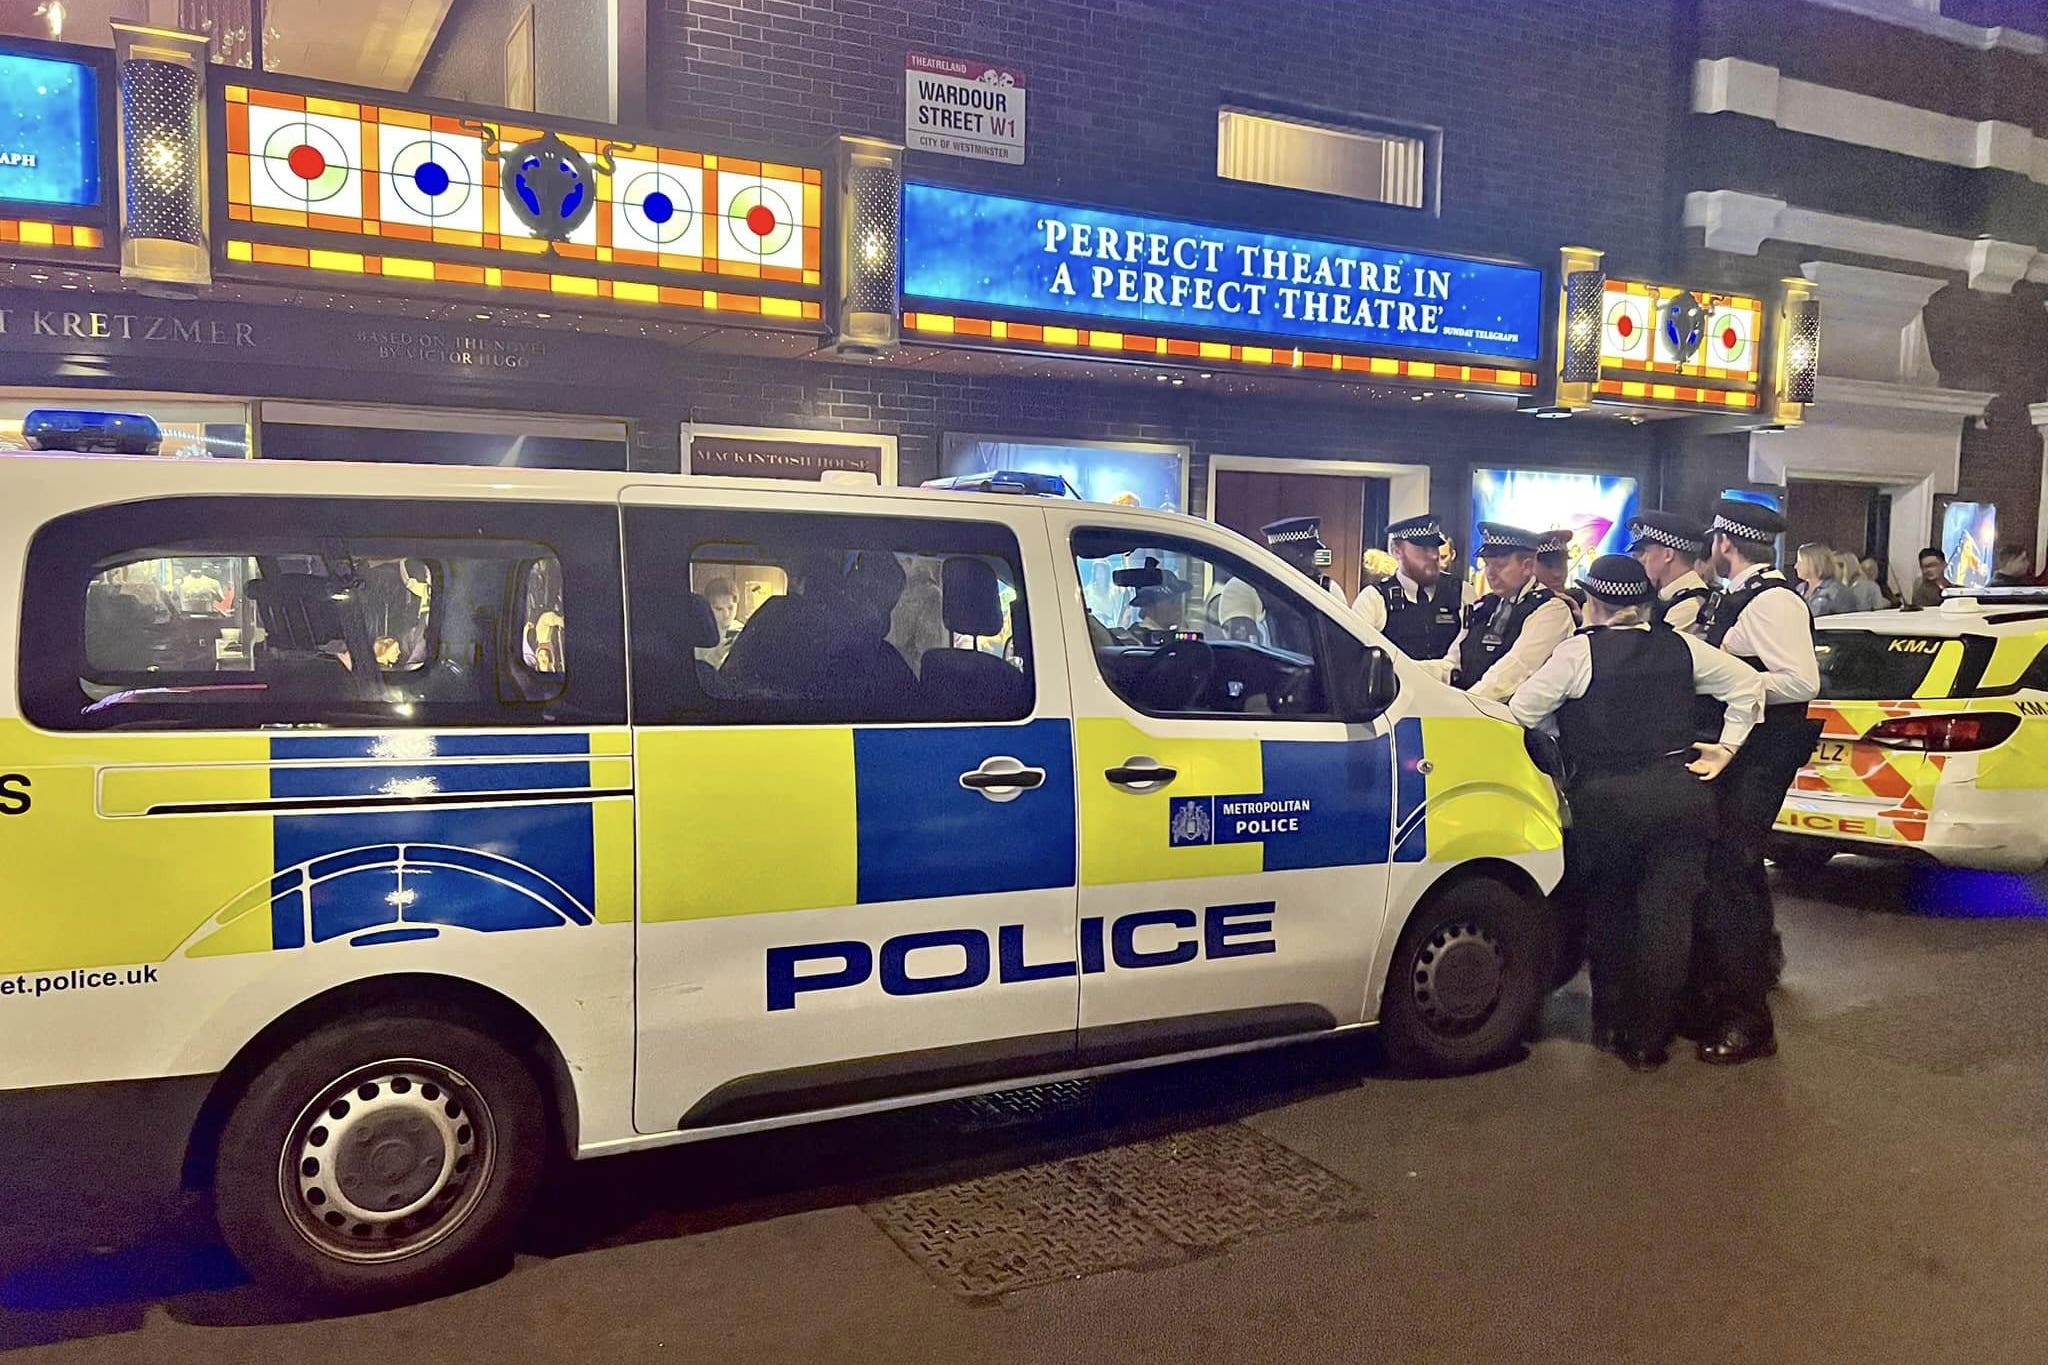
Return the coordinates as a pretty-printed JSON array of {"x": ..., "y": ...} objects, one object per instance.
[
  {"x": 1418, "y": 608},
  {"x": 1859, "y": 590},
  {"x": 1933, "y": 580},
  {"x": 1509, "y": 633},
  {"x": 1299, "y": 541},
  {"x": 1623, "y": 696},
  {"x": 1876, "y": 573},
  {"x": 2015, "y": 567},
  {"x": 1670, "y": 548},
  {"x": 1817, "y": 581},
  {"x": 1760, "y": 620}
]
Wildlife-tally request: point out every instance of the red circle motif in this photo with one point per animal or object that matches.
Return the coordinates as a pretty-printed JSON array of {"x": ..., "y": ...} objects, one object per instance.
[
  {"x": 306, "y": 162},
  {"x": 1625, "y": 325},
  {"x": 1729, "y": 338},
  {"x": 760, "y": 220}
]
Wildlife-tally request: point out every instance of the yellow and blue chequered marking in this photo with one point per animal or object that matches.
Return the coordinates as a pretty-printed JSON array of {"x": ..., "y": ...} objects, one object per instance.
[{"x": 759, "y": 821}]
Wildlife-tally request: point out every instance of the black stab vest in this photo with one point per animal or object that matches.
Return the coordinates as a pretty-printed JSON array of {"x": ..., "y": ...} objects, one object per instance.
[
  {"x": 1482, "y": 648},
  {"x": 1638, "y": 710},
  {"x": 1424, "y": 629}
]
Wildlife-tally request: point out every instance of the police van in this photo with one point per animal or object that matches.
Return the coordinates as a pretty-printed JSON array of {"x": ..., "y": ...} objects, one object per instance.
[
  {"x": 1934, "y": 740},
  {"x": 378, "y": 833}
]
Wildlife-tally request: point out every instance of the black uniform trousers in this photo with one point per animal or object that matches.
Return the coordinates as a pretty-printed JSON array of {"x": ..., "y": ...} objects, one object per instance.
[
  {"x": 1733, "y": 927},
  {"x": 1637, "y": 862}
]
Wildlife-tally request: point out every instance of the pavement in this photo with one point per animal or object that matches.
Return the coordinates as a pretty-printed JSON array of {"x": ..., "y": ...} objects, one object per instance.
[{"x": 1873, "y": 1194}]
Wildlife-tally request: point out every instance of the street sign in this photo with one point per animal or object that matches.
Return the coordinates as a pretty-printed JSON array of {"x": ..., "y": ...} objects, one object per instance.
[{"x": 963, "y": 108}]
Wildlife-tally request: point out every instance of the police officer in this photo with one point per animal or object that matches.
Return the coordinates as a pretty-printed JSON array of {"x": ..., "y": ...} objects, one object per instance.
[
  {"x": 1554, "y": 568},
  {"x": 1761, "y": 620},
  {"x": 1623, "y": 697},
  {"x": 1418, "y": 608},
  {"x": 1510, "y": 632},
  {"x": 1671, "y": 548},
  {"x": 1299, "y": 541}
]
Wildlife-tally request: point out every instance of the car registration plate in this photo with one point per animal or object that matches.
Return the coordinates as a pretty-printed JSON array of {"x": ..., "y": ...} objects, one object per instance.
[{"x": 1831, "y": 751}]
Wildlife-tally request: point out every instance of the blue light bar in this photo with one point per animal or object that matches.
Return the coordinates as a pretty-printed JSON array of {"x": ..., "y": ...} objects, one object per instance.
[{"x": 1007, "y": 481}]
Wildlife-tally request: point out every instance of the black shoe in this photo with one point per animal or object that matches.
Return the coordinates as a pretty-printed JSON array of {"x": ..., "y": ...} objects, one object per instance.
[
  {"x": 1637, "y": 1057},
  {"x": 1738, "y": 1041}
]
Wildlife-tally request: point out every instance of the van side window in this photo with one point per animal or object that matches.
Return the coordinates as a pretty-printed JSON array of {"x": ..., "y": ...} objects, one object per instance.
[
  {"x": 1181, "y": 628},
  {"x": 224, "y": 614},
  {"x": 808, "y": 619}
]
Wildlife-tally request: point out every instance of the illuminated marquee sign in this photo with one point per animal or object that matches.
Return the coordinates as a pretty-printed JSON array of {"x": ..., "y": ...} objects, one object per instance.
[
  {"x": 53, "y": 165},
  {"x": 49, "y": 131},
  {"x": 369, "y": 189},
  {"x": 1664, "y": 343},
  {"x": 988, "y": 255}
]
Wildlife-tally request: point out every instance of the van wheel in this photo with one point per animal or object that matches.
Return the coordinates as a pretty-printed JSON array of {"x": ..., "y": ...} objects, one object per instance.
[
  {"x": 1467, "y": 980},
  {"x": 381, "y": 1159}
]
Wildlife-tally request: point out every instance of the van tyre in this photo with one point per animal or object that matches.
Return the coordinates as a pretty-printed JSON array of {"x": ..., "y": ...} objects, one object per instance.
[
  {"x": 380, "y": 1160},
  {"x": 1467, "y": 980}
]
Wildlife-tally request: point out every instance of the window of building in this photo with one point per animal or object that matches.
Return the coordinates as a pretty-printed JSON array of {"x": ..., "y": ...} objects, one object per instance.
[
  {"x": 795, "y": 618},
  {"x": 1383, "y": 164},
  {"x": 1180, "y": 628},
  {"x": 260, "y": 612},
  {"x": 91, "y": 423},
  {"x": 575, "y": 58}
]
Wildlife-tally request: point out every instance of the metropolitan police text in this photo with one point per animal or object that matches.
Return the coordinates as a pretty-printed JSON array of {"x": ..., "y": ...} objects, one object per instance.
[{"x": 1156, "y": 268}]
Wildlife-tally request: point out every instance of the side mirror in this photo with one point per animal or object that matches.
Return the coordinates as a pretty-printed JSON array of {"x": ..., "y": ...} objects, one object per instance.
[{"x": 1377, "y": 684}]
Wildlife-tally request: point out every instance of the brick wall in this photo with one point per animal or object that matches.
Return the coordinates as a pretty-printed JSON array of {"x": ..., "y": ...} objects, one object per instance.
[
  {"x": 1554, "y": 115},
  {"x": 1553, "y": 111}
]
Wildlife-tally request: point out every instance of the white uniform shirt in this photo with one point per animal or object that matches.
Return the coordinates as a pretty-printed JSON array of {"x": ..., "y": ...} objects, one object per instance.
[
  {"x": 1778, "y": 629},
  {"x": 1569, "y": 672},
  {"x": 1549, "y": 626},
  {"x": 1373, "y": 607},
  {"x": 1686, "y": 614}
]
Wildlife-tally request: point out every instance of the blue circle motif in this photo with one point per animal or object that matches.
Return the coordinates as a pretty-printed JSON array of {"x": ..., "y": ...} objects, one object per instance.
[
  {"x": 432, "y": 178},
  {"x": 658, "y": 207}
]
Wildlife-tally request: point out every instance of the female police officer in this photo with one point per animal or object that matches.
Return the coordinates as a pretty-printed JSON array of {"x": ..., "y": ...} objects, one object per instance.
[{"x": 1622, "y": 695}]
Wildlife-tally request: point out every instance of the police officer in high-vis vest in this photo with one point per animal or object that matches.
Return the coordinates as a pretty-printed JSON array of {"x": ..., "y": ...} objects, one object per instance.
[
  {"x": 1418, "y": 609},
  {"x": 1299, "y": 541},
  {"x": 1761, "y": 620},
  {"x": 1671, "y": 548},
  {"x": 1623, "y": 696},
  {"x": 1510, "y": 632}
]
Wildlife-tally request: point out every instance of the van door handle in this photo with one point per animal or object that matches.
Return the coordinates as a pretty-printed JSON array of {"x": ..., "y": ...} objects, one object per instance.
[
  {"x": 1141, "y": 774},
  {"x": 1002, "y": 778}
]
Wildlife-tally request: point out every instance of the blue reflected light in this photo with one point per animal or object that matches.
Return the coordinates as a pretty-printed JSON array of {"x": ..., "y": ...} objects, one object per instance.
[{"x": 1960, "y": 893}]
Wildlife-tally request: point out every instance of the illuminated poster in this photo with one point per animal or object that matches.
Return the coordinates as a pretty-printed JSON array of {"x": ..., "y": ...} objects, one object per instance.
[
  {"x": 1128, "y": 476},
  {"x": 49, "y": 131},
  {"x": 966, "y": 248},
  {"x": 1595, "y": 507},
  {"x": 1969, "y": 540}
]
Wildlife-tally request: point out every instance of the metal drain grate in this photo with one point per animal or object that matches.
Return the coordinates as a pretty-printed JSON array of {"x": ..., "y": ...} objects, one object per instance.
[
  {"x": 1009, "y": 1108},
  {"x": 1134, "y": 1207}
]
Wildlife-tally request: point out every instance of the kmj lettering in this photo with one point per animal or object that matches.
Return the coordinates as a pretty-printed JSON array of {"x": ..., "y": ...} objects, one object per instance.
[{"x": 939, "y": 960}]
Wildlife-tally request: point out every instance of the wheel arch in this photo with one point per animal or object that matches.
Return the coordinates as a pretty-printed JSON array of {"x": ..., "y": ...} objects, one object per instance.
[
  {"x": 425, "y": 992},
  {"x": 1502, "y": 870}
]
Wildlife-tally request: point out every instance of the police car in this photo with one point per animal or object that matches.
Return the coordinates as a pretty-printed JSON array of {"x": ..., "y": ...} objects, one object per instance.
[
  {"x": 374, "y": 833},
  {"x": 1935, "y": 736}
]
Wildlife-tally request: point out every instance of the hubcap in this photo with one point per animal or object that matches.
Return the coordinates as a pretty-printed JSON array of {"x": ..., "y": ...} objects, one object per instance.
[
  {"x": 1458, "y": 978},
  {"x": 387, "y": 1161}
]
